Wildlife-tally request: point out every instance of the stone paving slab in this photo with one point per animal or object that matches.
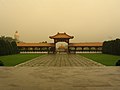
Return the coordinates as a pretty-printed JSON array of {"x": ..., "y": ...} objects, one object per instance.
[
  {"x": 59, "y": 78},
  {"x": 61, "y": 60}
]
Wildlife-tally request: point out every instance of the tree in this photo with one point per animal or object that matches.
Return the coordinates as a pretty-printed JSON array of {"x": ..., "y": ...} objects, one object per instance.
[
  {"x": 111, "y": 47},
  {"x": 8, "y": 46}
]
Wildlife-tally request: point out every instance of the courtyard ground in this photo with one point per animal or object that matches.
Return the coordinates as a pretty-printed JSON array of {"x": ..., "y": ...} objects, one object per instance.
[
  {"x": 60, "y": 72},
  {"x": 106, "y": 59},
  {"x": 61, "y": 60},
  {"x": 12, "y": 60},
  {"x": 59, "y": 78}
]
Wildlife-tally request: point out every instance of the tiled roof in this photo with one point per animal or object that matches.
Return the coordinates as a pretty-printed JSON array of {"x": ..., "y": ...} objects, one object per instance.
[
  {"x": 52, "y": 44},
  {"x": 87, "y": 44},
  {"x": 61, "y": 35},
  {"x": 35, "y": 44}
]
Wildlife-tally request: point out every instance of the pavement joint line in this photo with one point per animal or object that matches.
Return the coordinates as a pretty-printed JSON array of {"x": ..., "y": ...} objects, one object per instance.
[
  {"x": 29, "y": 61},
  {"x": 92, "y": 61},
  {"x": 59, "y": 60}
]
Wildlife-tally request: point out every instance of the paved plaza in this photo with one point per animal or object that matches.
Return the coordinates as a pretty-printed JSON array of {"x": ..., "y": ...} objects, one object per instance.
[
  {"x": 61, "y": 60},
  {"x": 46, "y": 73},
  {"x": 57, "y": 78}
]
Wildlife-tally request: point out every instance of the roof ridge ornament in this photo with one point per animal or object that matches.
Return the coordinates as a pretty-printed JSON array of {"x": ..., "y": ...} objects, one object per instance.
[{"x": 61, "y": 35}]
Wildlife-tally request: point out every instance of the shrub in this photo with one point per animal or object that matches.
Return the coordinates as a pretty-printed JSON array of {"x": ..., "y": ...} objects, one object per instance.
[
  {"x": 118, "y": 63},
  {"x": 1, "y": 63}
]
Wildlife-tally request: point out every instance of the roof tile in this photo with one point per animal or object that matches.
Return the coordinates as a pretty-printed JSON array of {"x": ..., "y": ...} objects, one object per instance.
[
  {"x": 35, "y": 44},
  {"x": 87, "y": 44},
  {"x": 61, "y": 35}
]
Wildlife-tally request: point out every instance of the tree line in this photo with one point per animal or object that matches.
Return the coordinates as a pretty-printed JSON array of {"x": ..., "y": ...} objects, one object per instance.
[
  {"x": 8, "y": 46},
  {"x": 111, "y": 47}
]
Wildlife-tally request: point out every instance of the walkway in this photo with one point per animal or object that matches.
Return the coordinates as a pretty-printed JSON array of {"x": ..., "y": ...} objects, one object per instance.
[
  {"x": 61, "y": 60},
  {"x": 66, "y": 72},
  {"x": 57, "y": 78}
]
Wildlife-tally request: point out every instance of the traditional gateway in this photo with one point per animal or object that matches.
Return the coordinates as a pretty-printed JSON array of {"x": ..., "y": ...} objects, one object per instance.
[{"x": 60, "y": 37}]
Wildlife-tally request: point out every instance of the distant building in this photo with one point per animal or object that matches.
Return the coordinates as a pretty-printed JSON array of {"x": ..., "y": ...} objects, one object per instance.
[
  {"x": 61, "y": 48},
  {"x": 59, "y": 37}
]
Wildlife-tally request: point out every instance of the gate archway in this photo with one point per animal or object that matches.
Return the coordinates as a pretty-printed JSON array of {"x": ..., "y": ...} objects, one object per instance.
[{"x": 61, "y": 37}]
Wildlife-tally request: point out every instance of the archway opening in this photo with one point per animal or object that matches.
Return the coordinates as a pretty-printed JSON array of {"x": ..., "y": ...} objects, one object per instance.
[{"x": 61, "y": 47}]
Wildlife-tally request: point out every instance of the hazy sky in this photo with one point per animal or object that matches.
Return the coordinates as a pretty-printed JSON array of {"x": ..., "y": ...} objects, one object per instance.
[{"x": 36, "y": 20}]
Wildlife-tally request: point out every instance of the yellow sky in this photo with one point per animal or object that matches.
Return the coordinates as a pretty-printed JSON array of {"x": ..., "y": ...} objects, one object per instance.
[{"x": 36, "y": 20}]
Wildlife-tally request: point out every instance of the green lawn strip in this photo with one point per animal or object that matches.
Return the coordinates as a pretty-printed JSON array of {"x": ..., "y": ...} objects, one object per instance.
[
  {"x": 12, "y": 60},
  {"x": 108, "y": 60}
]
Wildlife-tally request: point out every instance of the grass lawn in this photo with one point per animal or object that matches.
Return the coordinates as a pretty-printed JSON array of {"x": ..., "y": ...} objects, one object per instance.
[
  {"x": 108, "y": 60},
  {"x": 12, "y": 60}
]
